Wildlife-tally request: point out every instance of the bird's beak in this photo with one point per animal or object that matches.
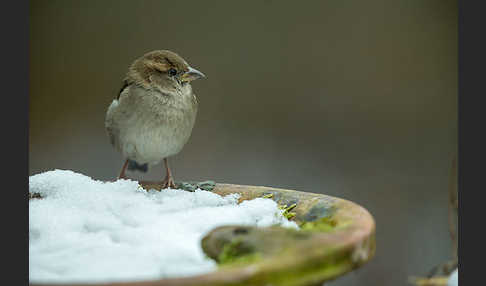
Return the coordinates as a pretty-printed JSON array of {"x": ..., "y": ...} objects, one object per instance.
[{"x": 191, "y": 75}]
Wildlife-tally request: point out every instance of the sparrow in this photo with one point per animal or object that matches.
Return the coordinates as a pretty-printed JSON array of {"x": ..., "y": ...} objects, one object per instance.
[{"x": 153, "y": 115}]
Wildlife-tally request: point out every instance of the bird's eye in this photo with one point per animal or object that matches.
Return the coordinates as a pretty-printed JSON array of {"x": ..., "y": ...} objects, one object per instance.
[{"x": 172, "y": 72}]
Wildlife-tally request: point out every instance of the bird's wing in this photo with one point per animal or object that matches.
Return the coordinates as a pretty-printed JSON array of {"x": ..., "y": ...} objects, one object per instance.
[
  {"x": 110, "y": 124},
  {"x": 125, "y": 84}
]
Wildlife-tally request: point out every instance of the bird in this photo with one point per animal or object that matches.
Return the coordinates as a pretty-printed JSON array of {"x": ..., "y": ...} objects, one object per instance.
[{"x": 152, "y": 117}]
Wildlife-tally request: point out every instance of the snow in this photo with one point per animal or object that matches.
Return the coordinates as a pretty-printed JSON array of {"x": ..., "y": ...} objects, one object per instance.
[
  {"x": 453, "y": 278},
  {"x": 89, "y": 231}
]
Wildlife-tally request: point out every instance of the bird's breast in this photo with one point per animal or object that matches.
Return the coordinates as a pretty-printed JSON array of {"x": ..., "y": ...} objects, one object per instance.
[{"x": 155, "y": 125}]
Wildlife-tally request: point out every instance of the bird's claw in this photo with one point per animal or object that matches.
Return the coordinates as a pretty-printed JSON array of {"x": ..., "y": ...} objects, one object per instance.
[{"x": 168, "y": 183}]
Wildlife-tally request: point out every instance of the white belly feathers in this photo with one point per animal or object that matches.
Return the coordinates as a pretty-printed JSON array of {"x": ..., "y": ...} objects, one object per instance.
[{"x": 147, "y": 126}]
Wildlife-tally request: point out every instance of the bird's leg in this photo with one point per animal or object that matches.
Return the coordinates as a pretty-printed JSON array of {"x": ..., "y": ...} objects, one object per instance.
[
  {"x": 122, "y": 172},
  {"x": 169, "y": 180}
]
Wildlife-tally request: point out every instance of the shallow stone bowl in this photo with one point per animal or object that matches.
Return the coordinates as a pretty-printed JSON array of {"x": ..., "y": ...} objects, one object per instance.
[{"x": 335, "y": 237}]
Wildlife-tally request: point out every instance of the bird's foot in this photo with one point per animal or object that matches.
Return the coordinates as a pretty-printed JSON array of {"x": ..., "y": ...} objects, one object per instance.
[
  {"x": 168, "y": 182},
  {"x": 186, "y": 186}
]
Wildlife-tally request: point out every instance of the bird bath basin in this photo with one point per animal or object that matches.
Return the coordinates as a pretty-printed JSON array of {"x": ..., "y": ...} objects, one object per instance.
[{"x": 335, "y": 237}]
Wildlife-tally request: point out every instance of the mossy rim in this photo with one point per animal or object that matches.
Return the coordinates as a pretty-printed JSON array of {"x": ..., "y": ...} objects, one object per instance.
[{"x": 335, "y": 237}]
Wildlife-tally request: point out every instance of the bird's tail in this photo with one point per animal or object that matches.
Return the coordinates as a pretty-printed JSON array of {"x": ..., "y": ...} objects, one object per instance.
[{"x": 134, "y": 166}]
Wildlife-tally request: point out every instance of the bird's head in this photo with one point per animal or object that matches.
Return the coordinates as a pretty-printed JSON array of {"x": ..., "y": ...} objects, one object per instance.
[{"x": 163, "y": 70}]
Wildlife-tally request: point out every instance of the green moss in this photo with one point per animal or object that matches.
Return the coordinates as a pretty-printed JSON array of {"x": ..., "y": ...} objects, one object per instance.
[
  {"x": 287, "y": 210},
  {"x": 244, "y": 259},
  {"x": 237, "y": 252},
  {"x": 312, "y": 272},
  {"x": 325, "y": 224}
]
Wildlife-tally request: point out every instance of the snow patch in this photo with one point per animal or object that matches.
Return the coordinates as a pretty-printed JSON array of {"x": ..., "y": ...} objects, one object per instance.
[{"x": 91, "y": 231}]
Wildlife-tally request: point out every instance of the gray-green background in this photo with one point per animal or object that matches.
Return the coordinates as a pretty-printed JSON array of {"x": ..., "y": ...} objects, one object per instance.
[{"x": 355, "y": 99}]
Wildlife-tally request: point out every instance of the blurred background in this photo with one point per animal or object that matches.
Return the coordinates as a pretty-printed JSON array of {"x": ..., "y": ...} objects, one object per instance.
[{"x": 355, "y": 99}]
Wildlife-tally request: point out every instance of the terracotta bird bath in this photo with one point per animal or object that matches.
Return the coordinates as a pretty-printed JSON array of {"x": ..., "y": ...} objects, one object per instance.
[{"x": 335, "y": 237}]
